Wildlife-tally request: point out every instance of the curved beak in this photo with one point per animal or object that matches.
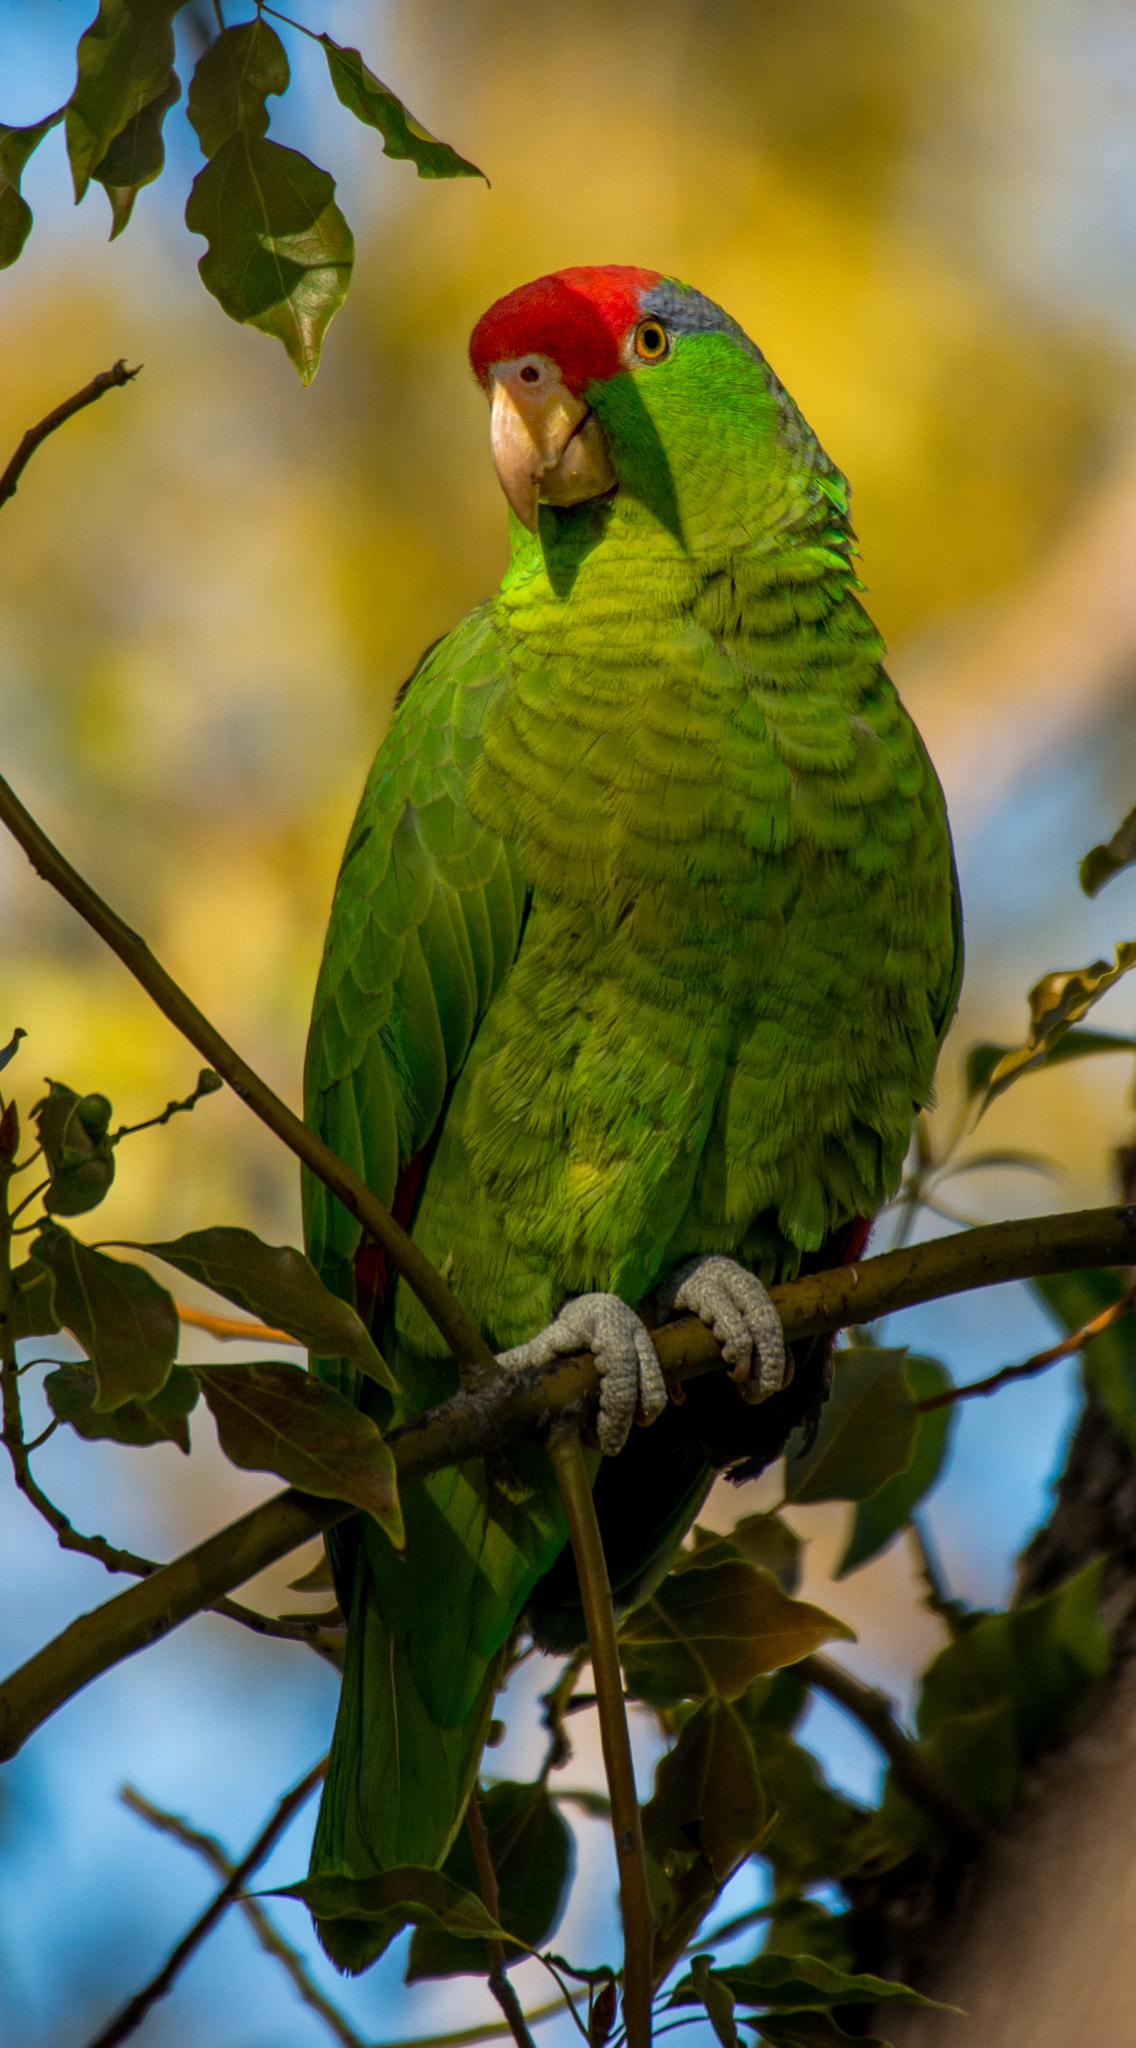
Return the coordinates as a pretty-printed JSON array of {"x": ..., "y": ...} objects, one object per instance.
[{"x": 547, "y": 444}]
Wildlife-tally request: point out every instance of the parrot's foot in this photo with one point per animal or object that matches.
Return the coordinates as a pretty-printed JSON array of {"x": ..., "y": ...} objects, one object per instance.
[
  {"x": 631, "y": 1378},
  {"x": 736, "y": 1306}
]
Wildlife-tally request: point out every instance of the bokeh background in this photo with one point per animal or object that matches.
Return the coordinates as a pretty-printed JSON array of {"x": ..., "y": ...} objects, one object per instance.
[{"x": 211, "y": 587}]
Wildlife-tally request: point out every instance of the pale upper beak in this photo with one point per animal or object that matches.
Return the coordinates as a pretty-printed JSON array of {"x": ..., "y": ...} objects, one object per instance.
[{"x": 547, "y": 444}]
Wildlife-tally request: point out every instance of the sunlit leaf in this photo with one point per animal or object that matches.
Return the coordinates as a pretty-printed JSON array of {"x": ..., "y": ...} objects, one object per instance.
[
  {"x": 879, "y": 1518},
  {"x": 867, "y": 1430},
  {"x": 358, "y": 1917},
  {"x": 71, "y": 1391},
  {"x": 710, "y": 1630},
  {"x": 1057, "y": 1001},
  {"x": 233, "y": 79},
  {"x": 137, "y": 155},
  {"x": 16, "y": 146},
  {"x": 125, "y": 1322},
  {"x": 74, "y": 1131},
  {"x": 273, "y": 1417},
  {"x": 1075, "y": 1299},
  {"x": 375, "y": 104},
  {"x": 533, "y": 1854},
  {"x": 125, "y": 57},
  {"x": 1101, "y": 863},
  {"x": 280, "y": 252},
  {"x": 278, "y": 1284}
]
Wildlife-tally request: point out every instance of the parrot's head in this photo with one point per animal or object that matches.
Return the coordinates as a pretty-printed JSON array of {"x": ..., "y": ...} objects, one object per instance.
[{"x": 611, "y": 382}]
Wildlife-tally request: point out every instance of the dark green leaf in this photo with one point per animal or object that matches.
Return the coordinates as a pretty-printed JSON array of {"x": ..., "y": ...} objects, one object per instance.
[
  {"x": 74, "y": 1131},
  {"x": 16, "y": 146},
  {"x": 802, "y": 1927},
  {"x": 125, "y": 58},
  {"x": 33, "y": 1301},
  {"x": 357, "y": 1918},
  {"x": 278, "y": 1284},
  {"x": 812, "y": 1833},
  {"x": 233, "y": 79},
  {"x": 885, "y": 1513},
  {"x": 761, "y": 1539},
  {"x": 707, "y": 1801},
  {"x": 375, "y": 104},
  {"x": 809, "y": 2030},
  {"x": 804, "y": 1983},
  {"x": 125, "y": 1322},
  {"x": 708, "y": 1631},
  {"x": 1101, "y": 863},
  {"x": 272, "y": 1417},
  {"x": 1075, "y": 1299},
  {"x": 718, "y": 2000},
  {"x": 280, "y": 252},
  {"x": 1056, "y": 1002},
  {"x": 137, "y": 154},
  {"x": 533, "y": 1854},
  {"x": 867, "y": 1430},
  {"x": 71, "y": 1391}
]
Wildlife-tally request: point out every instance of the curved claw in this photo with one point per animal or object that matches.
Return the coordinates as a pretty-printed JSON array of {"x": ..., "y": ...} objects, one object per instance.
[
  {"x": 737, "y": 1308},
  {"x": 631, "y": 1378}
]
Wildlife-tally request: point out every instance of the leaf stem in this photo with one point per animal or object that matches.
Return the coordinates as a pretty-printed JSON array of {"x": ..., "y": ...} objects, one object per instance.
[
  {"x": 135, "y": 2011},
  {"x": 498, "y": 1980},
  {"x": 566, "y": 1452},
  {"x": 35, "y": 436}
]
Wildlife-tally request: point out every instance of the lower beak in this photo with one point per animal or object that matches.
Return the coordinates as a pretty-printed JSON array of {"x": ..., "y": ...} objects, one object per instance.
[{"x": 547, "y": 444}]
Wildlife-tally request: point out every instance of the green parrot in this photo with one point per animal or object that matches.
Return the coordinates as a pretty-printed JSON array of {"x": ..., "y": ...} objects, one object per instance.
[{"x": 642, "y": 948}]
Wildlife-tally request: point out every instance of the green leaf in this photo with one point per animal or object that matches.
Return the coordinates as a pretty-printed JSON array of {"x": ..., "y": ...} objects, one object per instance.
[
  {"x": 278, "y": 1284},
  {"x": 33, "y": 1302},
  {"x": 802, "y": 1927},
  {"x": 718, "y": 2000},
  {"x": 125, "y": 1322},
  {"x": 707, "y": 1631},
  {"x": 804, "y": 1983},
  {"x": 1074, "y": 1299},
  {"x": 358, "y": 1917},
  {"x": 280, "y": 252},
  {"x": 975, "y": 1754},
  {"x": 809, "y": 2030},
  {"x": 234, "y": 77},
  {"x": 879, "y": 1518},
  {"x": 707, "y": 1814},
  {"x": 16, "y": 146},
  {"x": 763, "y": 1540},
  {"x": 377, "y": 106},
  {"x": 867, "y": 1431},
  {"x": 1056, "y": 1002},
  {"x": 273, "y": 1417},
  {"x": 1076, "y": 1044},
  {"x": 74, "y": 1131},
  {"x": 533, "y": 1855},
  {"x": 125, "y": 59},
  {"x": 1101, "y": 863},
  {"x": 813, "y": 1831},
  {"x": 137, "y": 155},
  {"x": 71, "y": 1391}
]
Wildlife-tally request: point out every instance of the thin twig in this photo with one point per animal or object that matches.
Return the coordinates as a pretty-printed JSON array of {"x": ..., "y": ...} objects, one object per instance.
[
  {"x": 914, "y": 1776},
  {"x": 566, "y": 1452},
  {"x": 106, "y": 381},
  {"x": 134, "y": 2012},
  {"x": 265, "y": 1929},
  {"x": 556, "y": 1702},
  {"x": 1076, "y": 1341},
  {"x": 468, "y": 1346},
  {"x": 498, "y": 1979}
]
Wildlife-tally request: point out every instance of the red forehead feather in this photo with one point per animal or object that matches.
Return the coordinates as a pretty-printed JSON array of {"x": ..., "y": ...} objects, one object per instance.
[{"x": 577, "y": 317}]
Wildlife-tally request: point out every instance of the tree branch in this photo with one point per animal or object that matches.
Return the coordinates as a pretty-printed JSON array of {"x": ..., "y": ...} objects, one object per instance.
[
  {"x": 913, "y": 1774},
  {"x": 445, "y": 1311},
  {"x": 522, "y": 1404},
  {"x": 135, "y": 2011},
  {"x": 1075, "y": 1341},
  {"x": 106, "y": 381},
  {"x": 498, "y": 1980}
]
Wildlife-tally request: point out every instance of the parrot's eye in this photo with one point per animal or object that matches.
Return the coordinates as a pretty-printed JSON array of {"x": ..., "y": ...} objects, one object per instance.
[{"x": 652, "y": 342}]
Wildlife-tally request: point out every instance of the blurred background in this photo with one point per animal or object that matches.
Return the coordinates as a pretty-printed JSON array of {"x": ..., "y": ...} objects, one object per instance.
[{"x": 212, "y": 585}]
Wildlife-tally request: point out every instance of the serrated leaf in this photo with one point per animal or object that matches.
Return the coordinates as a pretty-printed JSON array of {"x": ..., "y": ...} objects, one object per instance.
[
  {"x": 377, "y": 106},
  {"x": 1056, "y": 1002},
  {"x": 358, "y": 1917},
  {"x": 137, "y": 155},
  {"x": 867, "y": 1430},
  {"x": 1101, "y": 863},
  {"x": 233, "y": 79},
  {"x": 881, "y": 1517},
  {"x": 709, "y": 1631},
  {"x": 125, "y": 1322},
  {"x": 16, "y": 146},
  {"x": 533, "y": 1855},
  {"x": 124, "y": 58},
  {"x": 33, "y": 1301},
  {"x": 273, "y": 1417},
  {"x": 74, "y": 1131},
  {"x": 804, "y": 1983},
  {"x": 71, "y": 1391},
  {"x": 1074, "y": 1299},
  {"x": 280, "y": 252},
  {"x": 278, "y": 1284}
]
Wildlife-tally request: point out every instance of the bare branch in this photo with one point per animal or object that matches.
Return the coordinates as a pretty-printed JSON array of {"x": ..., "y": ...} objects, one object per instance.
[
  {"x": 35, "y": 436},
  {"x": 914, "y": 1776},
  {"x": 1076, "y": 1341}
]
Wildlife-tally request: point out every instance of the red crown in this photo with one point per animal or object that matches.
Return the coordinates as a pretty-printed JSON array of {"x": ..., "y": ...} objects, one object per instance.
[{"x": 577, "y": 317}]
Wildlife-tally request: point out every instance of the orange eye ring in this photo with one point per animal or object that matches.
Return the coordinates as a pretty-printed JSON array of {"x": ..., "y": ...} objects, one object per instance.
[{"x": 652, "y": 342}]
